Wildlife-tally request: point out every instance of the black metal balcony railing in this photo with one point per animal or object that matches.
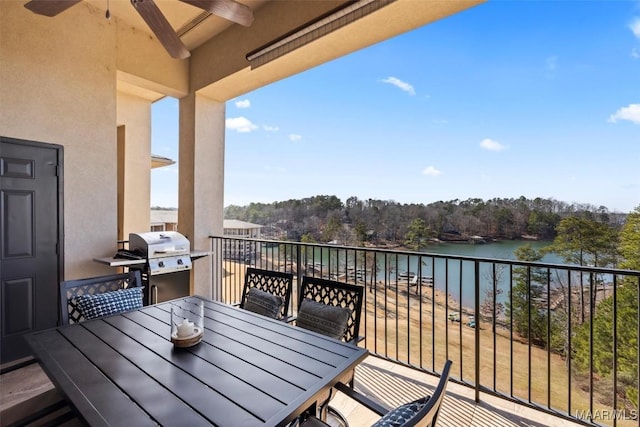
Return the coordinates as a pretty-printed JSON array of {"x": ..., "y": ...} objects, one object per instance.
[{"x": 561, "y": 338}]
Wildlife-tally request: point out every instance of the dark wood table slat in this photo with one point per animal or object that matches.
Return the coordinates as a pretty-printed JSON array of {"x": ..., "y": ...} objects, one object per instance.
[
  {"x": 238, "y": 390},
  {"x": 267, "y": 354},
  {"x": 260, "y": 377},
  {"x": 208, "y": 402},
  {"x": 162, "y": 405},
  {"x": 282, "y": 338},
  {"x": 282, "y": 330}
]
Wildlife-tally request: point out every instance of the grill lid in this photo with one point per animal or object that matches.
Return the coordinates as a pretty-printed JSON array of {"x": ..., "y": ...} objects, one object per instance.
[
  {"x": 157, "y": 244},
  {"x": 166, "y": 251}
]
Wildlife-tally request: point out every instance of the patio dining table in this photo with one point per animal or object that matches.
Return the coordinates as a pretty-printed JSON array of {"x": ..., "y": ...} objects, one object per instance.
[{"x": 248, "y": 370}]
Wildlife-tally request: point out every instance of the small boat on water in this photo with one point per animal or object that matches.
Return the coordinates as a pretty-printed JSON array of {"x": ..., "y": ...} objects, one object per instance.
[{"x": 406, "y": 275}]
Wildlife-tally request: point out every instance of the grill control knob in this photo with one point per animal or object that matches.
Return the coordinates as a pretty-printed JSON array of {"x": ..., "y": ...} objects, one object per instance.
[
  {"x": 161, "y": 264},
  {"x": 180, "y": 261}
]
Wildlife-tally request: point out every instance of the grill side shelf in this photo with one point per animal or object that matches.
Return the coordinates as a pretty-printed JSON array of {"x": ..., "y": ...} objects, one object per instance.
[{"x": 120, "y": 262}]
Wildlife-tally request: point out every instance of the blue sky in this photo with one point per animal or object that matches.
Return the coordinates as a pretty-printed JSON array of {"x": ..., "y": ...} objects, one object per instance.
[{"x": 507, "y": 99}]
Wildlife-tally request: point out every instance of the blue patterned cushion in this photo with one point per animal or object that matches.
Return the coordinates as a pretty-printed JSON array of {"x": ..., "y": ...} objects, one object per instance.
[
  {"x": 98, "y": 305},
  {"x": 325, "y": 319},
  {"x": 399, "y": 416},
  {"x": 264, "y": 303}
]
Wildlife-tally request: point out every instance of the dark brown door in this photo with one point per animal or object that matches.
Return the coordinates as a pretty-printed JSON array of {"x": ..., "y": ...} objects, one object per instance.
[{"x": 30, "y": 219}]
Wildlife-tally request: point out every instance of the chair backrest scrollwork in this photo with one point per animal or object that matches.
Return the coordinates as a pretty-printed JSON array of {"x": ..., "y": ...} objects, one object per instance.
[
  {"x": 336, "y": 294},
  {"x": 274, "y": 282}
]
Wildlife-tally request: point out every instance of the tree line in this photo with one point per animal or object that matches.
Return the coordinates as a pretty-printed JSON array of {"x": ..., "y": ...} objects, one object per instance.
[{"x": 326, "y": 218}]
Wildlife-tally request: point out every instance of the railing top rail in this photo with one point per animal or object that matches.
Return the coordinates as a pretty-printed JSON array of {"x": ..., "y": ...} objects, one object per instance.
[{"x": 573, "y": 267}]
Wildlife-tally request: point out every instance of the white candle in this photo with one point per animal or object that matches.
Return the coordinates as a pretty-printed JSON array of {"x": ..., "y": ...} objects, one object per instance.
[{"x": 185, "y": 329}]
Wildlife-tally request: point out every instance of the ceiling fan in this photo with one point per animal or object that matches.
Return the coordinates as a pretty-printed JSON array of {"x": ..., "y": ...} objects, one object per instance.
[{"x": 149, "y": 11}]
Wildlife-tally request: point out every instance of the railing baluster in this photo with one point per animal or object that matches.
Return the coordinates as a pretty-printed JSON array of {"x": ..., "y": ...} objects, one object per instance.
[
  {"x": 476, "y": 313},
  {"x": 493, "y": 320},
  {"x": 511, "y": 330},
  {"x": 433, "y": 315},
  {"x": 615, "y": 351},
  {"x": 446, "y": 307},
  {"x": 419, "y": 293},
  {"x": 569, "y": 346},
  {"x": 548, "y": 338},
  {"x": 591, "y": 344},
  {"x": 529, "y": 333}
]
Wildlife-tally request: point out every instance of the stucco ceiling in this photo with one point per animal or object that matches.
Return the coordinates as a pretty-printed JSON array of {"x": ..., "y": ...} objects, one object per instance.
[{"x": 180, "y": 15}]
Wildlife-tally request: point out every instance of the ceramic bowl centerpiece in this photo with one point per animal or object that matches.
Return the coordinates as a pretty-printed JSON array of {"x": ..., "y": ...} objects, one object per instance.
[{"x": 187, "y": 324}]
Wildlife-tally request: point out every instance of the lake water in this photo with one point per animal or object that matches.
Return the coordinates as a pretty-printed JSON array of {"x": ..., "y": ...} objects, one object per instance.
[
  {"x": 501, "y": 250},
  {"x": 455, "y": 277},
  {"x": 458, "y": 278}
]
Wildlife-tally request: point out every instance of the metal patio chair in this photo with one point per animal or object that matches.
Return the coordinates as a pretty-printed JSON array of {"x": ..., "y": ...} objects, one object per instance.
[
  {"x": 422, "y": 412},
  {"x": 72, "y": 291},
  {"x": 267, "y": 292},
  {"x": 339, "y": 318},
  {"x": 336, "y": 294}
]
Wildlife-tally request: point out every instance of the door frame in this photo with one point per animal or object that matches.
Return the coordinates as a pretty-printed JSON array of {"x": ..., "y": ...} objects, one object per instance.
[{"x": 59, "y": 149}]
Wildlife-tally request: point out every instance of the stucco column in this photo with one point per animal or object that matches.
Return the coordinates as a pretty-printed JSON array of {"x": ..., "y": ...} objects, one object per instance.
[
  {"x": 134, "y": 160},
  {"x": 201, "y": 183}
]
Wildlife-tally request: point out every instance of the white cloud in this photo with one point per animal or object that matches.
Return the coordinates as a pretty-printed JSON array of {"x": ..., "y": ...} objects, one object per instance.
[
  {"x": 271, "y": 128},
  {"x": 404, "y": 86},
  {"x": 244, "y": 103},
  {"x": 431, "y": 171},
  {"x": 491, "y": 145},
  {"x": 635, "y": 53},
  {"x": 631, "y": 113},
  {"x": 295, "y": 137},
  {"x": 240, "y": 124},
  {"x": 635, "y": 27}
]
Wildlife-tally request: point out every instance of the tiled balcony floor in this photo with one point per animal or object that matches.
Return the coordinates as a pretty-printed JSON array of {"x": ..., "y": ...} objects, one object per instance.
[
  {"x": 389, "y": 383},
  {"x": 393, "y": 384}
]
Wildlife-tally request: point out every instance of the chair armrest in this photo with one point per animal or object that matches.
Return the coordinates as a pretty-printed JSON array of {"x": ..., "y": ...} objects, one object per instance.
[
  {"x": 356, "y": 340},
  {"x": 290, "y": 319},
  {"x": 361, "y": 399}
]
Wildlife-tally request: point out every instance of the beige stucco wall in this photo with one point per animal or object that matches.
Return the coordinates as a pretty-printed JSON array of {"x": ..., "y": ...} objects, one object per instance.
[
  {"x": 134, "y": 114},
  {"x": 201, "y": 184},
  {"x": 57, "y": 88}
]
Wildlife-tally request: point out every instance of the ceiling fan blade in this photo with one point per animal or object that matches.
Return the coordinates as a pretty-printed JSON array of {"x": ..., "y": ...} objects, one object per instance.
[
  {"x": 49, "y": 7},
  {"x": 161, "y": 28},
  {"x": 227, "y": 9}
]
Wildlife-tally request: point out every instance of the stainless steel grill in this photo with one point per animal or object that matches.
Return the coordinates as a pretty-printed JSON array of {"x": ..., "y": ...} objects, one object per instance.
[
  {"x": 165, "y": 251},
  {"x": 168, "y": 261}
]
